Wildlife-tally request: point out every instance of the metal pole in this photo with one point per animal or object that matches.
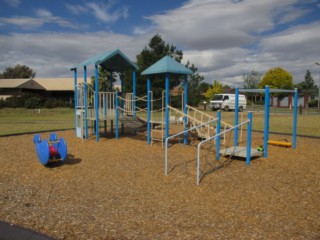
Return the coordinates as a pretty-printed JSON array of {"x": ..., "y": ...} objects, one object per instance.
[
  {"x": 236, "y": 116},
  {"x": 266, "y": 121},
  {"x": 318, "y": 88},
  {"x": 96, "y": 96},
  {"x": 295, "y": 118},
  {"x": 134, "y": 91},
  {"x": 149, "y": 110},
  {"x": 117, "y": 116},
  {"x": 75, "y": 98},
  {"x": 166, "y": 107},
  {"x": 217, "y": 133},
  {"x": 185, "y": 102},
  {"x": 85, "y": 102},
  {"x": 248, "y": 157}
]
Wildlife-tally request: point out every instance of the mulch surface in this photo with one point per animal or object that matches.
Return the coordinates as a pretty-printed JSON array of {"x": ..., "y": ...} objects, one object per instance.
[{"x": 116, "y": 189}]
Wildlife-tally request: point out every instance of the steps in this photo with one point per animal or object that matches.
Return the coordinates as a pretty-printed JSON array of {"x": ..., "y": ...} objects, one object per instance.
[{"x": 132, "y": 121}]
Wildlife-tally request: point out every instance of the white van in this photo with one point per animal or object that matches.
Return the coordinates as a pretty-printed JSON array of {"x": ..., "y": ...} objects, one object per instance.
[{"x": 226, "y": 102}]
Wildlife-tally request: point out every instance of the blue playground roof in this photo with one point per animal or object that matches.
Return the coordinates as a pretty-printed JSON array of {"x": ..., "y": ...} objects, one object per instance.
[
  {"x": 113, "y": 60},
  {"x": 167, "y": 65}
]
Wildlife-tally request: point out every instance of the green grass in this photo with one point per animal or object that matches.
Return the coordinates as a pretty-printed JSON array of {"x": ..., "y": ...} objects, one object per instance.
[
  {"x": 13, "y": 120},
  {"x": 281, "y": 122},
  {"x": 18, "y": 120}
]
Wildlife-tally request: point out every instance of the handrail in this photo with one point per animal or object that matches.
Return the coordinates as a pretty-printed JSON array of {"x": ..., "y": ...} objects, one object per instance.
[
  {"x": 214, "y": 137},
  {"x": 177, "y": 134}
]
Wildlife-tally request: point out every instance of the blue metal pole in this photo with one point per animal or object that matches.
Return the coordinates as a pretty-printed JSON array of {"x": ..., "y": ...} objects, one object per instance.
[
  {"x": 218, "y": 126},
  {"x": 122, "y": 90},
  {"x": 105, "y": 97},
  {"x": 96, "y": 96},
  {"x": 85, "y": 102},
  {"x": 167, "y": 109},
  {"x": 266, "y": 121},
  {"x": 117, "y": 116},
  {"x": 134, "y": 90},
  {"x": 149, "y": 109},
  {"x": 249, "y": 134},
  {"x": 185, "y": 110},
  {"x": 236, "y": 117},
  {"x": 295, "y": 118},
  {"x": 75, "y": 98}
]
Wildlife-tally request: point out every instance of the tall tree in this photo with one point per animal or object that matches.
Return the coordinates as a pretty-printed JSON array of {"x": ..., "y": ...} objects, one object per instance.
[
  {"x": 251, "y": 81},
  {"x": 19, "y": 71},
  {"x": 308, "y": 86},
  {"x": 157, "y": 48}
]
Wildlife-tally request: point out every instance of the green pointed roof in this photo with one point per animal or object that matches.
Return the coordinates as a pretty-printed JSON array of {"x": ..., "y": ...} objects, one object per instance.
[
  {"x": 167, "y": 65},
  {"x": 114, "y": 60}
]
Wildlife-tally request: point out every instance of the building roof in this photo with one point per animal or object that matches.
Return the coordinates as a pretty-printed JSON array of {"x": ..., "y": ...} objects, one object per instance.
[
  {"x": 167, "y": 65},
  {"x": 113, "y": 60},
  {"x": 49, "y": 84},
  {"x": 58, "y": 84},
  {"x": 25, "y": 83}
]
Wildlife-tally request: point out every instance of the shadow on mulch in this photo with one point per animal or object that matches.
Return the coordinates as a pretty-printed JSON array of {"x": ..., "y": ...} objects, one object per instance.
[{"x": 71, "y": 160}]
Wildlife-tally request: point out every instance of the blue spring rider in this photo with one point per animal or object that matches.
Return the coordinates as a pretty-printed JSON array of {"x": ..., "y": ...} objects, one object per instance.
[{"x": 52, "y": 150}]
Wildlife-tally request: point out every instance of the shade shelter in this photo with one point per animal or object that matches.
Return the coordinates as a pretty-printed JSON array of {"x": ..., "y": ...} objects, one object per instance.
[
  {"x": 166, "y": 66},
  {"x": 113, "y": 61}
]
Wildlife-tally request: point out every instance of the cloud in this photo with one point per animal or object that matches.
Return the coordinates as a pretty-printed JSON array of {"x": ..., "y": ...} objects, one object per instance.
[
  {"x": 222, "y": 24},
  {"x": 12, "y": 3},
  {"x": 44, "y": 16},
  {"x": 52, "y": 54},
  {"x": 101, "y": 11}
]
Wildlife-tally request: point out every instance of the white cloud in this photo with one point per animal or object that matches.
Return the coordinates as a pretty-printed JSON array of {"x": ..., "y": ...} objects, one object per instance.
[
  {"x": 52, "y": 54},
  {"x": 44, "y": 16},
  {"x": 219, "y": 24},
  {"x": 101, "y": 11}
]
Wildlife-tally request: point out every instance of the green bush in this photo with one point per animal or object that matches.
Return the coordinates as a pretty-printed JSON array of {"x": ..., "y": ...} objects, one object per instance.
[
  {"x": 33, "y": 102},
  {"x": 313, "y": 103}
]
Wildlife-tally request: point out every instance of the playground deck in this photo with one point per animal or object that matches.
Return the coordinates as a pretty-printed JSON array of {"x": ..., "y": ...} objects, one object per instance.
[
  {"x": 239, "y": 151},
  {"x": 116, "y": 189}
]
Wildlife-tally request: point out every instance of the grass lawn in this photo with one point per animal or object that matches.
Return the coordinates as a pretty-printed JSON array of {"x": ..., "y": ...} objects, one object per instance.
[
  {"x": 13, "y": 120},
  {"x": 19, "y": 120}
]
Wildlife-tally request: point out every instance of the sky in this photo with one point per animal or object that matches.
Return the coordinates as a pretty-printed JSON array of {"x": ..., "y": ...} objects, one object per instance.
[{"x": 223, "y": 38}]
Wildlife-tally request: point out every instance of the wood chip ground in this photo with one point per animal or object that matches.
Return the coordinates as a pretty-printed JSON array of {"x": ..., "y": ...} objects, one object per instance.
[{"x": 116, "y": 189}]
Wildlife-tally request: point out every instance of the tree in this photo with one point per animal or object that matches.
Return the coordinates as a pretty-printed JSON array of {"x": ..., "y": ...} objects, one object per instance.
[
  {"x": 277, "y": 78},
  {"x": 215, "y": 89},
  {"x": 308, "y": 86},
  {"x": 103, "y": 81},
  {"x": 193, "y": 85},
  {"x": 19, "y": 71},
  {"x": 157, "y": 48},
  {"x": 251, "y": 81}
]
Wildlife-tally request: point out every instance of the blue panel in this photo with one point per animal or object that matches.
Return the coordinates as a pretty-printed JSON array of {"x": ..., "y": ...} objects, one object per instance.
[
  {"x": 43, "y": 152},
  {"x": 62, "y": 149},
  {"x": 36, "y": 138},
  {"x": 53, "y": 137}
]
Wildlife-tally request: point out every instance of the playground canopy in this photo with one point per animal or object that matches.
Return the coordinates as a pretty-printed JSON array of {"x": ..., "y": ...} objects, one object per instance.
[
  {"x": 167, "y": 65},
  {"x": 114, "y": 60}
]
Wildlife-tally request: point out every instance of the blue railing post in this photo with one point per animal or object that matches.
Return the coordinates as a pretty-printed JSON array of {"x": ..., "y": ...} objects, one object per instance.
[
  {"x": 295, "y": 118},
  {"x": 149, "y": 109},
  {"x": 249, "y": 133},
  {"x": 96, "y": 95},
  {"x": 167, "y": 109},
  {"x": 185, "y": 102},
  {"x": 85, "y": 102},
  {"x": 75, "y": 98},
  {"x": 218, "y": 126},
  {"x": 266, "y": 121},
  {"x": 236, "y": 117},
  {"x": 134, "y": 91},
  {"x": 117, "y": 116}
]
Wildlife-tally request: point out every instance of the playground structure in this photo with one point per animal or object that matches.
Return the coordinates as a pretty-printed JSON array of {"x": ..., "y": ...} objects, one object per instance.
[
  {"x": 267, "y": 91},
  {"x": 93, "y": 106},
  {"x": 239, "y": 151},
  {"x": 53, "y": 149}
]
